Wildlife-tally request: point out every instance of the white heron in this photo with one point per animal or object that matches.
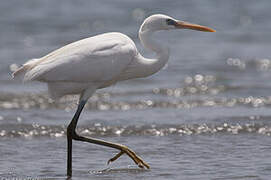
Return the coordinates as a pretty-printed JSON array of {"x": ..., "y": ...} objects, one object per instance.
[{"x": 97, "y": 62}]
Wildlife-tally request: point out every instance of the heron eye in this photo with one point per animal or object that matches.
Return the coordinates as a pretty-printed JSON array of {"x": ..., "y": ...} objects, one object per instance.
[{"x": 170, "y": 22}]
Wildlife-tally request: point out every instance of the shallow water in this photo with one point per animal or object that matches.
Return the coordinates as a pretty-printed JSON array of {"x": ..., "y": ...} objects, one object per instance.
[{"x": 206, "y": 115}]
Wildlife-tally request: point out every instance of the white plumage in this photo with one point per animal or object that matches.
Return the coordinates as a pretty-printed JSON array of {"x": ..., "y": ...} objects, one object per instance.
[
  {"x": 96, "y": 61},
  {"x": 101, "y": 60},
  {"x": 84, "y": 66}
]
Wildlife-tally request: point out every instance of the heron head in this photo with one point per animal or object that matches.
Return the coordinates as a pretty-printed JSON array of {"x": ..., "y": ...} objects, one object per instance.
[{"x": 159, "y": 22}]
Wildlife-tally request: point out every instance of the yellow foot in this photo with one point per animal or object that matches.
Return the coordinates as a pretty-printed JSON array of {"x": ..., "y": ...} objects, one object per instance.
[{"x": 132, "y": 155}]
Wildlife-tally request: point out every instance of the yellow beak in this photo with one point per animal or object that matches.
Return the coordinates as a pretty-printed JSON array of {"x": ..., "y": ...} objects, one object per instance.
[{"x": 187, "y": 25}]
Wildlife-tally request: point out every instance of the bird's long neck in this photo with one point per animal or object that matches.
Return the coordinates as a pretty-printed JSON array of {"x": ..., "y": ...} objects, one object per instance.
[{"x": 151, "y": 66}]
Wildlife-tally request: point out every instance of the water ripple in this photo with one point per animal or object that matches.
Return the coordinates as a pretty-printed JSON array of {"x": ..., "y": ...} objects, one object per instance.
[
  {"x": 197, "y": 91},
  {"x": 30, "y": 131},
  {"x": 39, "y": 101}
]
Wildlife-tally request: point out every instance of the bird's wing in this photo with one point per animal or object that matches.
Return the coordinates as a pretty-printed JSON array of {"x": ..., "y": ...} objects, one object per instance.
[{"x": 97, "y": 59}]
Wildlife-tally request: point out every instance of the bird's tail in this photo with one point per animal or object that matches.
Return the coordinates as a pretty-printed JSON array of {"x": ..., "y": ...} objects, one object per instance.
[{"x": 21, "y": 71}]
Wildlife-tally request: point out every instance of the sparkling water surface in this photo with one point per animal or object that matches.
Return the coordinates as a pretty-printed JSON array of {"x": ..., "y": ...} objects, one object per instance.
[{"x": 206, "y": 115}]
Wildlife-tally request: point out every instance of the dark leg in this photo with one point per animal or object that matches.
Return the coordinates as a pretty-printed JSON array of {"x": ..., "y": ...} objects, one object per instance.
[
  {"x": 69, "y": 156},
  {"x": 71, "y": 134}
]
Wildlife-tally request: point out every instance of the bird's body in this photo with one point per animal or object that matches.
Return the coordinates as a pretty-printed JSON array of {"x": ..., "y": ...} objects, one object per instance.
[
  {"x": 102, "y": 60},
  {"x": 84, "y": 66},
  {"x": 97, "y": 61}
]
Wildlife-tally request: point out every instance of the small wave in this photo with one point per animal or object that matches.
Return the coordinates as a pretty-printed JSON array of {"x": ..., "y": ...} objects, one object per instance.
[
  {"x": 132, "y": 169},
  {"x": 197, "y": 91},
  {"x": 257, "y": 64},
  {"x": 193, "y": 85},
  {"x": 35, "y": 130},
  {"x": 36, "y": 101}
]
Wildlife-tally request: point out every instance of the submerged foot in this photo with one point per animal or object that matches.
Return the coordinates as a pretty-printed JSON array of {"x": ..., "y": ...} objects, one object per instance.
[{"x": 132, "y": 155}]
